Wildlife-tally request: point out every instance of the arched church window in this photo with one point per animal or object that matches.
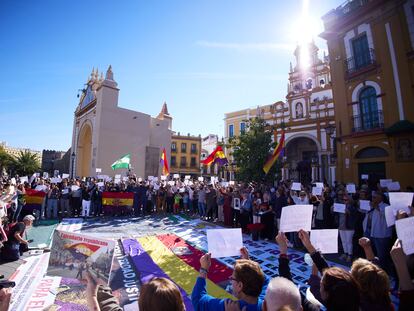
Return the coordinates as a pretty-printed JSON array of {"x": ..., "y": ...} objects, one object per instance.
[
  {"x": 371, "y": 152},
  {"x": 369, "y": 117},
  {"x": 299, "y": 110}
]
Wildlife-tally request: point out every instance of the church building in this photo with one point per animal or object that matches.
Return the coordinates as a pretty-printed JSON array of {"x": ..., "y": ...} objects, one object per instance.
[
  {"x": 307, "y": 115},
  {"x": 103, "y": 132}
]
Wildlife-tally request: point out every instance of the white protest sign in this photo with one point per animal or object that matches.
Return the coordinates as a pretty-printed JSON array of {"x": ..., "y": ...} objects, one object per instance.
[
  {"x": 326, "y": 240},
  {"x": 100, "y": 184},
  {"x": 117, "y": 180},
  {"x": 339, "y": 208},
  {"x": 236, "y": 203},
  {"x": 163, "y": 177},
  {"x": 319, "y": 184},
  {"x": 176, "y": 176},
  {"x": 296, "y": 217},
  {"x": 13, "y": 181},
  {"x": 41, "y": 188},
  {"x": 55, "y": 180},
  {"x": 150, "y": 178},
  {"x": 74, "y": 187},
  {"x": 171, "y": 183},
  {"x": 389, "y": 215},
  {"x": 384, "y": 182},
  {"x": 231, "y": 182},
  {"x": 405, "y": 232},
  {"x": 155, "y": 179},
  {"x": 365, "y": 205},
  {"x": 118, "y": 176},
  {"x": 296, "y": 186},
  {"x": 125, "y": 178},
  {"x": 224, "y": 242},
  {"x": 200, "y": 178},
  {"x": 401, "y": 201},
  {"x": 394, "y": 186},
  {"x": 64, "y": 175},
  {"x": 24, "y": 179},
  {"x": 98, "y": 170},
  {"x": 364, "y": 177},
  {"x": 182, "y": 190},
  {"x": 187, "y": 176},
  {"x": 317, "y": 191},
  {"x": 350, "y": 188},
  {"x": 45, "y": 175}
]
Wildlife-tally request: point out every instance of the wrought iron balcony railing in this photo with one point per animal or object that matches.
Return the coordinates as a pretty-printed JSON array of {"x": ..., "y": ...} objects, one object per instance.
[
  {"x": 367, "y": 121},
  {"x": 360, "y": 62}
]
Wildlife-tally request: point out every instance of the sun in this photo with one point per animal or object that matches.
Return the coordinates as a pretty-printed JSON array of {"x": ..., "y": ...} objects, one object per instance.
[{"x": 304, "y": 29}]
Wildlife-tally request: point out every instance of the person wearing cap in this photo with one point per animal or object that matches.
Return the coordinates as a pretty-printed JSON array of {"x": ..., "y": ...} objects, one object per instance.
[{"x": 15, "y": 243}]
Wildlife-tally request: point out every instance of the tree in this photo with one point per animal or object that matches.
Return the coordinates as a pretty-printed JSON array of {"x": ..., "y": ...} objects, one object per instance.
[
  {"x": 26, "y": 163},
  {"x": 5, "y": 160},
  {"x": 251, "y": 150}
]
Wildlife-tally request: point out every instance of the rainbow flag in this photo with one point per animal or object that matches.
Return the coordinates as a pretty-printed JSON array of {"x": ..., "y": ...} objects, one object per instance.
[
  {"x": 164, "y": 163},
  {"x": 217, "y": 156},
  {"x": 34, "y": 199},
  {"x": 171, "y": 257},
  {"x": 279, "y": 150}
]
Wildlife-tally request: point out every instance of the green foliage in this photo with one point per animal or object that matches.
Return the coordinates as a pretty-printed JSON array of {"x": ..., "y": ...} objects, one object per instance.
[
  {"x": 251, "y": 150},
  {"x": 5, "y": 160},
  {"x": 26, "y": 163}
]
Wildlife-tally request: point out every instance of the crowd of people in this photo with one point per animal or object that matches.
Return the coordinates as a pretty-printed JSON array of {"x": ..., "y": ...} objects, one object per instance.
[{"x": 257, "y": 209}]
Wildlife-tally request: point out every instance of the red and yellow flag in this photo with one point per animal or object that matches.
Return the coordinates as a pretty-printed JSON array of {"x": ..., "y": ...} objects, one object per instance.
[
  {"x": 164, "y": 163},
  {"x": 279, "y": 150}
]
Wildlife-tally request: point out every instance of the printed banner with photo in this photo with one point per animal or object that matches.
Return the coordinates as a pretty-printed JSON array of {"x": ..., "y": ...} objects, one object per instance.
[{"x": 72, "y": 255}]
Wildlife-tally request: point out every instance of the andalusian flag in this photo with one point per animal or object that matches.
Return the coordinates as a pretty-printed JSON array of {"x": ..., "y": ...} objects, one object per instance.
[
  {"x": 276, "y": 153},
  {"x": 122, "y": 162},
  {"x": 164, "y": 163},
  {"x": 217, "y": 156}
]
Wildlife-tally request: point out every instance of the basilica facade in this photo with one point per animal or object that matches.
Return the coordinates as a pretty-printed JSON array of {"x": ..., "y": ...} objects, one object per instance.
[
  {"x": 103, "y": 132},
  {"x": 306, "y": 115}
]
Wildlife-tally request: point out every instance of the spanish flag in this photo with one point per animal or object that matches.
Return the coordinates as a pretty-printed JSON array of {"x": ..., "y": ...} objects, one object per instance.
[
  {"x": 164, "y": 163},
  {"x": 117, "y": 199},
  {"x": 276, "y": 153},
  {"x": 217, "y": 156}
]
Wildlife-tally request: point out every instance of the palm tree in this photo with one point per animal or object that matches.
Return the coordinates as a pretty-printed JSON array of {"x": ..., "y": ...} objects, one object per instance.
[
  {"x": 5, "y": 160},
  {"x": 26, "y": 163}
]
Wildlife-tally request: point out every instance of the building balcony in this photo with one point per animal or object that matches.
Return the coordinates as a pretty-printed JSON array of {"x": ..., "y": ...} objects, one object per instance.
[
  {"x": 173, "y": 150},
  {"x": 193, "y": 151},
  {"x": 367, "y": 122},
  {"x": 355, "y": 66}
]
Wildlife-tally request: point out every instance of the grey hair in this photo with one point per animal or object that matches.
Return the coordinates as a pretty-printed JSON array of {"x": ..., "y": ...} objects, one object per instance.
[
  {"x": 29, "y": 217},
  {"x": 282, "y": 292}
]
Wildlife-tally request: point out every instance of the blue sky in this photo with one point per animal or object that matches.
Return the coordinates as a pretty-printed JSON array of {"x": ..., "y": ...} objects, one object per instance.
[{"x": 204, "y": 58}]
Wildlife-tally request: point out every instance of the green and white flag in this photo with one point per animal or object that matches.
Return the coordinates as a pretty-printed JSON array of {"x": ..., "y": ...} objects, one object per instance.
[{"x": 122, "y": 162}]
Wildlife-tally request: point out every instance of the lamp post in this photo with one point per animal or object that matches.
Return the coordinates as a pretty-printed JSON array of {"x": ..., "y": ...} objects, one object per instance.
[
  {"x": 72, "y": 156},
  {"x": 330, "y": 131}
]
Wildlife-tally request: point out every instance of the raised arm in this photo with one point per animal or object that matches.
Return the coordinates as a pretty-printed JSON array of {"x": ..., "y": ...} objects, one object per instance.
[{"x": 319, "y": 261}]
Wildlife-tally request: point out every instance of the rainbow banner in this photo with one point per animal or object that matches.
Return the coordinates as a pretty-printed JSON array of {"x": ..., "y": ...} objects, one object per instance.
[
  {"x": 34, "y": 199},
  {"x": 117, "y": 200},
  {"x": 171, "y": 257}
]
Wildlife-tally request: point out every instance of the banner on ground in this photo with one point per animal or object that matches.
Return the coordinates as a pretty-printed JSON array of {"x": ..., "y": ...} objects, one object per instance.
[{"x": 73, "y": 255}]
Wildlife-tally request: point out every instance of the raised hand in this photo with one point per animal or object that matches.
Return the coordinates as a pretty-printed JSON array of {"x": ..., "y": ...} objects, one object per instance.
[
  {"x": 205, "y": 261},
  {"x": 282, "y": 241},
  {"x": 244, "y": 253}
]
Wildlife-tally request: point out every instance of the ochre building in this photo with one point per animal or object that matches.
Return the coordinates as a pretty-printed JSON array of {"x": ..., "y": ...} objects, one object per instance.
[{"x": 371, "y": 50}]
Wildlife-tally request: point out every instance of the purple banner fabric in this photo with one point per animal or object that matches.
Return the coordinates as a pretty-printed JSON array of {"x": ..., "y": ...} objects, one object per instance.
[{"x": 148, "y": 268}]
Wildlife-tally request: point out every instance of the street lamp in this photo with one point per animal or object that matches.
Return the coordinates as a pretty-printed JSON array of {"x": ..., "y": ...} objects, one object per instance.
[{"x": 73, "y": 155}]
